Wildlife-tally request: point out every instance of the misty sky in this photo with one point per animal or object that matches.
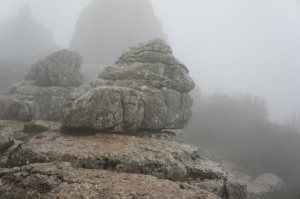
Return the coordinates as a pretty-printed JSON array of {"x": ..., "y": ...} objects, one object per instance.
[{"x": 248, "y": 46}]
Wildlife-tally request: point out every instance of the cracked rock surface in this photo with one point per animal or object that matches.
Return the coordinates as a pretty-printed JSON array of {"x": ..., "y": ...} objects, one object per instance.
[
  {"x": 128, "y": 154},
  {"x": 61, "y": 180},
  {"x": 147, "y": 88},
  {"x": 46, "y": 88}
]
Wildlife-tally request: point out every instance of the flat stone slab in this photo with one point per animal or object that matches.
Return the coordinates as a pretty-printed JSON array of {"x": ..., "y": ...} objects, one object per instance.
[
  {"x": 61, "y": 180},
  {"x": 129, "y": 154}
]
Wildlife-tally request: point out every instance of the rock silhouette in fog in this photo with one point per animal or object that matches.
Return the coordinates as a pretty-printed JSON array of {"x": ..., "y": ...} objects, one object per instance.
[
  {"x": 108, "y": 27},
  {"x": 146, "y": 89},
  {"x": 22, "y": 41}
]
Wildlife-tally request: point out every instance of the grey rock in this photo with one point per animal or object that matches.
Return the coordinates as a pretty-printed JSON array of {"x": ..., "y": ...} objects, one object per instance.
[
  {"x": 47, "y": 86},
  {"x": 27, "y": 101},
  {"x": 261, "y": 184},
  {"x": 61, "y": 68},
  {"x": 153, "y": 62},
  {"x": 155, "y": 50},
  {"x": 106, "y": 28},
  {"x": 6, "y": 138},
  {"x": 61, "y": 180},
  {"x": 105, "y": 108},
  {"x": 128, "y": 154},
  {"x": 160, "y": 85},
  {"x": 235, "y": 189}
]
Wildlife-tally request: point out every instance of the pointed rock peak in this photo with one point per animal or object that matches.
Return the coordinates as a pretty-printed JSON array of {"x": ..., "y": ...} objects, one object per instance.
[{"x": 25, "y": 11}]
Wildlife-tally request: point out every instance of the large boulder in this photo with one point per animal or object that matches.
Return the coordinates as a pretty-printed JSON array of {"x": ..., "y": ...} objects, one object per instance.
[
  {"x": 104, "y": 108},
  {"x": 61, "y": 68},
  {"x": 146, "y": 89},
  {"x": 48, "y": 85},
  {"x": 108, "y": 27}
]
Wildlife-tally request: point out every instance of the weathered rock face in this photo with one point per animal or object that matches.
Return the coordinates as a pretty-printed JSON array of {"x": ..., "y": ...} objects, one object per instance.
[
  {"x": 27, "y": 101},
  {"x": 104, "y": 108},
  {"x": 44, "y": 93},
  {"x": 146, "y": 89},
  {"x": 61, "y": 68},
  {"x": 175, "y": 167},
  {"x": 6, "y": 138},
  {"x": 23, "y": 41},
  {"x": 108, "y": 27}
]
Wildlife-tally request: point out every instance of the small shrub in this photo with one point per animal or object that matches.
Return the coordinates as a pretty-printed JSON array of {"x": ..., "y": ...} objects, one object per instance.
[
  {"x": 2, "y": 126},
  {"x": 34, "y": 128}
]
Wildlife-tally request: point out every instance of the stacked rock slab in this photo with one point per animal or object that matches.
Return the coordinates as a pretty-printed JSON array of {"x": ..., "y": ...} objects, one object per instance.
[
  {"x": 45, "y": 88},
  {"x": 147, "y": 88}
]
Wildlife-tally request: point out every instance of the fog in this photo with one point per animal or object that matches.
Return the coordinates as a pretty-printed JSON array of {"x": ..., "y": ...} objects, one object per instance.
[
  {"x": 59, "y": 16},
  {"x": 234, "y": 49},
  {"x": 239, "y": 46},
  {"x": 231, "y": 46}
]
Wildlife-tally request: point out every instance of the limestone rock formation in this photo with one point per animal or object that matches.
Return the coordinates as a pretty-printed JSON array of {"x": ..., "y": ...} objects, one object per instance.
[
  {"x": 6, "y": 138},
  {"x": 46, "y": 89},
  {"x": 108, "y": 27},
  {"x": 146, "y": 89},
  {"x": 23, "y": 41},
  {"x": 61, "y": 68},
  {"x": 93, "y": 159}
]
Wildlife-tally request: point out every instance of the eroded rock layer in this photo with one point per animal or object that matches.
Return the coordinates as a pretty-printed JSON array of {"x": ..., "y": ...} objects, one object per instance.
[{"x": 61, "y": 180}]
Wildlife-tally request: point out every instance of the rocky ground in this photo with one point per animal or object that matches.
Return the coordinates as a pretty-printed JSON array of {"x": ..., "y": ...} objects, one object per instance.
[{"x": 99, "y": 165}]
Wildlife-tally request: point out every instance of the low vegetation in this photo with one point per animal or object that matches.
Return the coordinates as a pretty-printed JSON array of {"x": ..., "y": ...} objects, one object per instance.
[
  {"x": 2, "y": 126},
  {"x": 34, "y": 128},
  {"x": 30, "y": 129},
  {"x": 236, "y": 128}
]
